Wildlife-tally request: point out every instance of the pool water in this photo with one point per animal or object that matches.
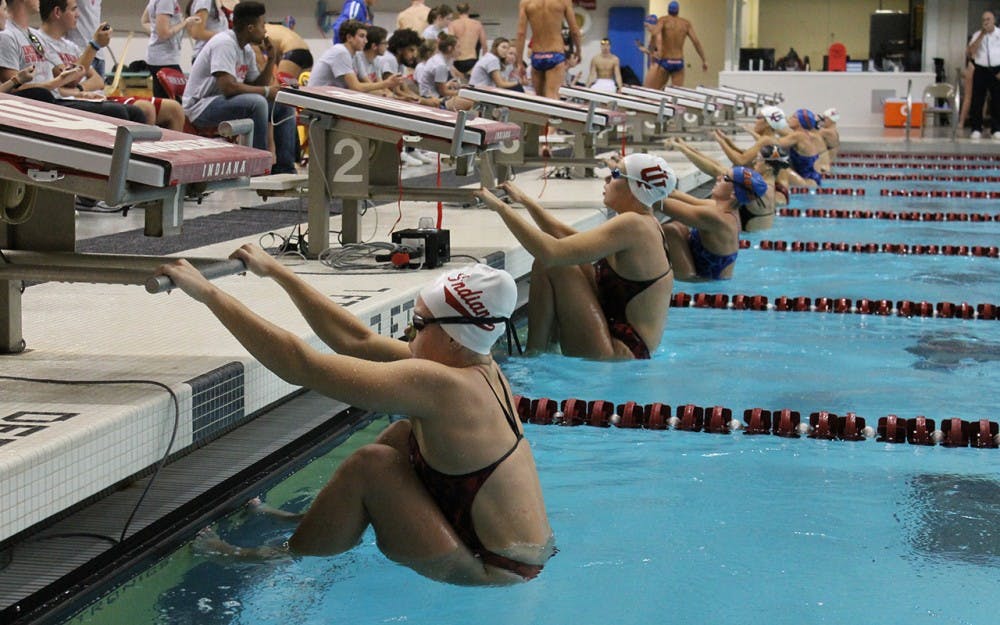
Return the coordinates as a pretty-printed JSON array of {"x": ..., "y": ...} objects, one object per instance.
[{"x": 683, "y": 527}]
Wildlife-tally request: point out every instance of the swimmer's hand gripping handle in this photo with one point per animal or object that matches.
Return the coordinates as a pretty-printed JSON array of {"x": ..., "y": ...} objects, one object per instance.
[{"x": 211, "y": 271}]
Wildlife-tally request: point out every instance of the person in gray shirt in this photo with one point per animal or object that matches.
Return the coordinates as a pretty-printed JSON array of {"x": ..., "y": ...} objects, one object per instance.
[{"x": 336, "y": 66}]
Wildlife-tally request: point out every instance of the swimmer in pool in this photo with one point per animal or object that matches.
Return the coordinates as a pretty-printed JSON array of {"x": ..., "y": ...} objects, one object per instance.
[
  {"x": 451, "y": 492},
  {"x": 604, "y": 292},
  {"x": 704, "y": 236}
]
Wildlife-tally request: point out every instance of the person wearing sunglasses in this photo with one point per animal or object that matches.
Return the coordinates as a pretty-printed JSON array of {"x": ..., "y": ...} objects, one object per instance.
[
  {"x": 758, "y": 213},
  {"x": 21, "y": 48},
  {"x": 606, "y": 291},
  {"x": 704, "y": 234},
  {"x": 451, "y": 492}
]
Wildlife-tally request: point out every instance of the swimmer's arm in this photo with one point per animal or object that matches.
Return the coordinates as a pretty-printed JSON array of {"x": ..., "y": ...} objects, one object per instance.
[
  {"x": 522, "y": 34},
  {"x": 574, "y": 28},
  {"x": 618, "y": 74},
  {"x": 695, "y": 214},
  {"x": 198, "y": 31},
  {"x": 698, "y": 159},
  {"x": 582, "y": 247},
  {"x": 592, "y": 76},
  {"x": 544, "y": 219},
  {"x": 741, "y": 157},
  {"x": 332, "y": 323},
  {"x": 697, "y": 47}
]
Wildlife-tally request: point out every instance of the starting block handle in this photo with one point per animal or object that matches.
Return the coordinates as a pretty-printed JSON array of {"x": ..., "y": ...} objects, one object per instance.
[
  {"x": 122, "y": 156},
  {"x": 238, "y": 128},
  {"x": 222, "y": 268}
]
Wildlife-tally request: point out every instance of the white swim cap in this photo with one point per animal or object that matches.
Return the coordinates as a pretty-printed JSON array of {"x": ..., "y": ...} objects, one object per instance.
[
  {"x": 473, "y": 291},
  {"x": 775, "y": 117},
  {"x": 649, "y": 177},
  {"x": 832, "y": 115}
]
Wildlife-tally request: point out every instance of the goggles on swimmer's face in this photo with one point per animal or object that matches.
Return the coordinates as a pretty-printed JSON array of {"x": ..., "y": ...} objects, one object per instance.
[
  {"x": 418, "y": 322},
  {"x": 617, "y": 173}
]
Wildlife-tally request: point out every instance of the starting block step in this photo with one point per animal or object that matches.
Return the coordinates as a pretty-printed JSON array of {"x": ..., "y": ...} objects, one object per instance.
[{"x": 278, "y": 182}]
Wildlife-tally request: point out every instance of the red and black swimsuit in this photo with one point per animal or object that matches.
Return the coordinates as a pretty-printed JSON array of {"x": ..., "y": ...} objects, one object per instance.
[
  {"x": 454, "y": 494},
  {"x": 613, "y": 294}
]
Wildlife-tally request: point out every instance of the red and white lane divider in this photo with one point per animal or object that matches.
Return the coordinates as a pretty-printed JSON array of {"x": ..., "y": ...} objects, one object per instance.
[
  {"x": 874, "y": 248},
  {"x": 824, "y": 191},
  {"x": 927, "y": 156},
  {"x": 947, "y": 193},
  {"x": 925, "y": 166},
  {"x": 839, "y": 305},
  {"x": 883, "y": 214},
  {"x": 824, "y": 425},
  {"x": 910, "y": 177}
]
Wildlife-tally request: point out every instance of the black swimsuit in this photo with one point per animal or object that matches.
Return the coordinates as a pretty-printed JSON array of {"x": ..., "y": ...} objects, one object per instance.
[
  {"x": 454, "y": 494},
  {"x": 614, "y": 293}
]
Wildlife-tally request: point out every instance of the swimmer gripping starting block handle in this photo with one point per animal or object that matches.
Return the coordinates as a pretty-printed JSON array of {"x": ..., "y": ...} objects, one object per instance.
[{"x": 210, "y": 269}]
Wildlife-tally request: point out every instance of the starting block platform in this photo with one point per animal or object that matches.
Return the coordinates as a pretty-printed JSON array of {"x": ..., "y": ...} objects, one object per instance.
[
  {"x": 588, "y": 125},
  {"x": 639, "y": 111},
  {"x": 51, "y": 153},
  {"x": 355, "y": 140}
]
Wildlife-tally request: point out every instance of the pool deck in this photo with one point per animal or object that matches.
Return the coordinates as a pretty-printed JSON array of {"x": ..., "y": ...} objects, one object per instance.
[{"x": 64, "y": 446}]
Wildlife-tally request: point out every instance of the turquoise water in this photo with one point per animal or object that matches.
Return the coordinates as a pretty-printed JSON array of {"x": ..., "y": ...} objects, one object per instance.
[{"x": 680, "y": 527}]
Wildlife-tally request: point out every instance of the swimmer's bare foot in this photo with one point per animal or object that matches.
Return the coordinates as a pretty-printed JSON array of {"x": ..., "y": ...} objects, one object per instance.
[
  {"x": 257, "y": 506},
  {"x": 209, "y": 543}
]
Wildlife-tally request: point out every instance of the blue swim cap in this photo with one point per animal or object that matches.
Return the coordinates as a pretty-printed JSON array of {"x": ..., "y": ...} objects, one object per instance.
[
  {"x": 748, "y": 185},
  {"x": 673, "y": 8},
  {"x": 807, "y": 119}
]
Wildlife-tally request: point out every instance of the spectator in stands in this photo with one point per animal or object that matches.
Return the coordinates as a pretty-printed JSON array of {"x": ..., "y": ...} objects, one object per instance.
[
  {"x": 471, "y": 39},
  {"x": 435, "y": 80},
  {"x": 488, "y": 70},
  {"x": 166, "y": 25},
  {"x": 21, "y": 77},
  {"x": 212, "y": 21},
  {"x": 226, "y": 84},
  {"x": 438, "y": 21},
  {"x": 336, "y": 65},
  {"x": 87, "y": 22},
  {"x": 22, "y": 47},
  {"x": 364, "y": 61},
  {"x": 59, "y": 17}
]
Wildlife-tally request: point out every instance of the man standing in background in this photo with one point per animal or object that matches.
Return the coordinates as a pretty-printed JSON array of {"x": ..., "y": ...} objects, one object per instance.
[
  {"x": 352, "y": 10},
  {"x": 668, "y": 41},
  {"x": 471, "y": 39},
  {"x": 984, "y": 50},
  {"x": 414, "y": 18},
  {"x": 548, "y": 50}
]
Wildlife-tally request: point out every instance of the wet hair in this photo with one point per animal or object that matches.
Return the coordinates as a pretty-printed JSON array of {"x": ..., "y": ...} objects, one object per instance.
[
  {"x": 349, "y": 28},
  {"x": 376, "y": 36},
  {"x": 496, "y": 44},
  {"x": 462, "y": 8},
  {"x": 446, "y": 42},
  {"x": 246, "y": 13},
  {"x": 404, "y": 38}
]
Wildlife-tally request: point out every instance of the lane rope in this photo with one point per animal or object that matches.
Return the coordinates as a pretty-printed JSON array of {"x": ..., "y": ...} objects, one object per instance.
[
  {"x": 839, "y": 305},
  {"x": 786, "y": 423},
  {"x": 884, "y": 214},
  {"x": 874, "y": 248}
]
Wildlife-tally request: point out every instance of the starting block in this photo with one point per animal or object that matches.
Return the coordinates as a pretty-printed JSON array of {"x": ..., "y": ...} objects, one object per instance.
[
  {"x": 639, "y": 111},
  {"x": 50, "y": 153},
  {"x": 534, "y": 113},
  {"x": 355, "y": 140}
]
